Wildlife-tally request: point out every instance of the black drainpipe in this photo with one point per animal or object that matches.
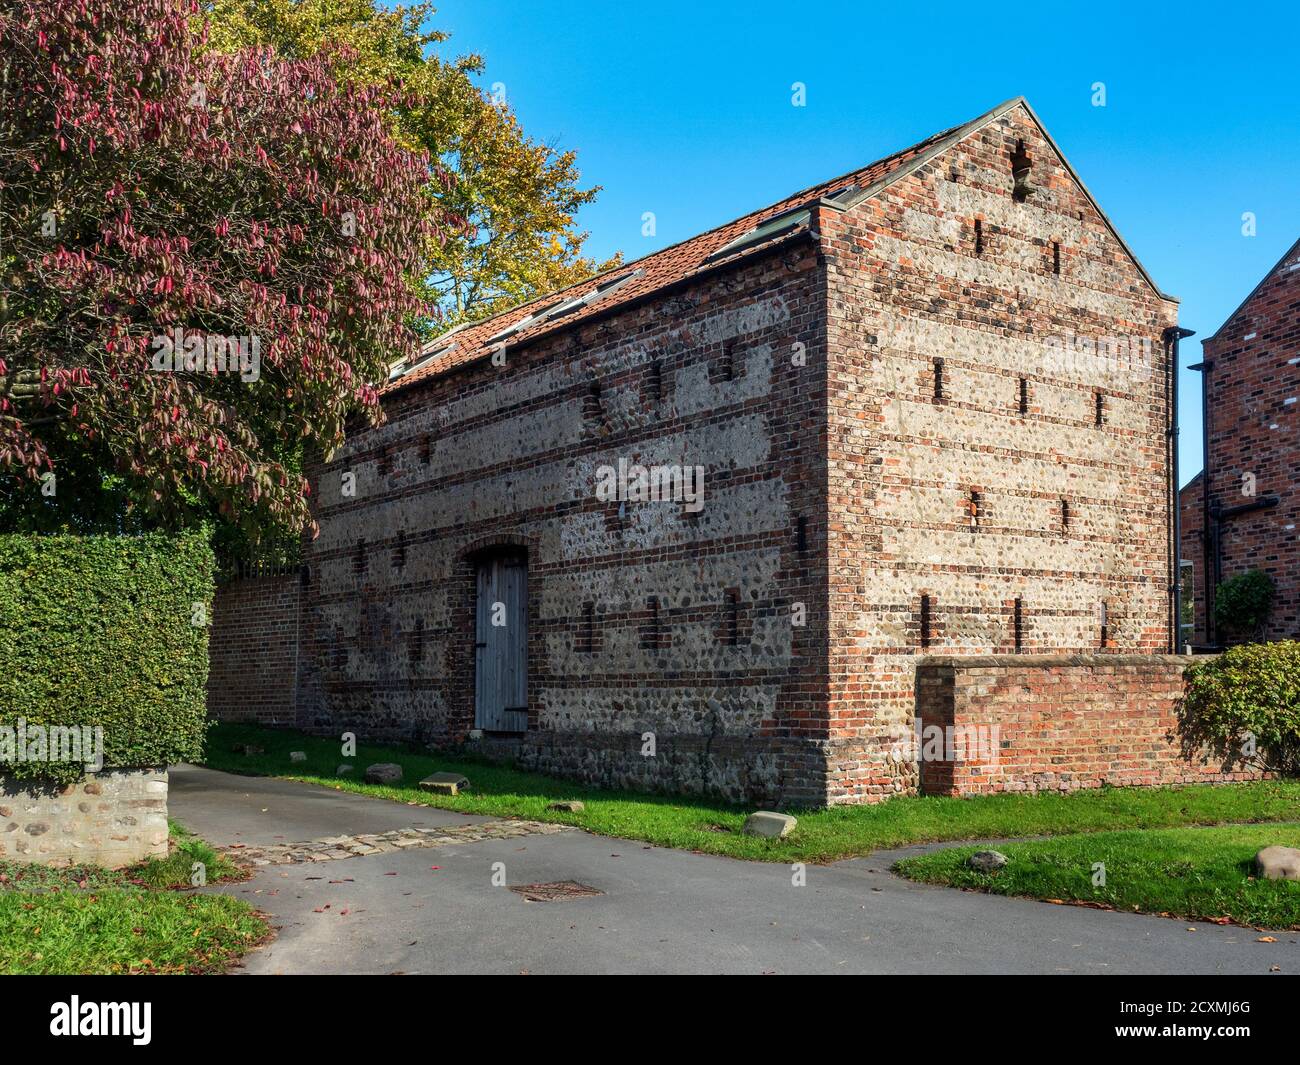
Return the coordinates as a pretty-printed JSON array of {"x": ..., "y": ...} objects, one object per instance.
[
  {"x": 1172, "y": 336},
  {"x": 1207, "y": 530}
]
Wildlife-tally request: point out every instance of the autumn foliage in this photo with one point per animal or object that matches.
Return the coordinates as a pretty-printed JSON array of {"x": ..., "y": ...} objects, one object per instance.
[{"x": 149, "y": 185}]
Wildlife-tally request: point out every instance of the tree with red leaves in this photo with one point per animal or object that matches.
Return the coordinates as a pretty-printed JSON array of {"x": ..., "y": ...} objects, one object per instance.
[{"x": 206, "y": 261}]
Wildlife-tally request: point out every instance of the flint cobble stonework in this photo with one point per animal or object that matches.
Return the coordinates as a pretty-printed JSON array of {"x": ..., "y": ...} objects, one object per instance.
[
  {"x": 113, "y": 819},
  {"x": 511, "y": 458},
  {"x": 1024, "y": 495},
  {"x": 1046, "y": 723},
  {"x": 906, "y": 453}
]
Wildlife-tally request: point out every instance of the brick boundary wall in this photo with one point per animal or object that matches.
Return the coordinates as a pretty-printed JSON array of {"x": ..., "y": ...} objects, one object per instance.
[
  {"x": 253, "y": 650},
  {"x": 114, "y": 819},
  {"x": 1064, "y": 723}
]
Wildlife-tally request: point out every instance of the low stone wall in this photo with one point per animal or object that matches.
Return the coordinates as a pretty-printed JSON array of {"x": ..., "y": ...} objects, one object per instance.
[
  {"x": 1047, "y": 723},
  {"x": 113, "y": 819}
]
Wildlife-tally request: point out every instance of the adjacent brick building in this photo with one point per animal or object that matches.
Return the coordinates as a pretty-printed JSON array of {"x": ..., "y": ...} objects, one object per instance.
[
  {"x": 930, "y": 403},
  {"x": 1251, "y": 381}
]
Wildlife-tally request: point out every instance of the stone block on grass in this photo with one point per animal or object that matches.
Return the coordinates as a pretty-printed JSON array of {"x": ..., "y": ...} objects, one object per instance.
[
  {"x": 1278, "y": 863},
  {"x": 384, "y": 773},
  {"x": 769, "y": 825},
  {"x": 987, "y": 861},
  {"x": 444, "y": 783}
]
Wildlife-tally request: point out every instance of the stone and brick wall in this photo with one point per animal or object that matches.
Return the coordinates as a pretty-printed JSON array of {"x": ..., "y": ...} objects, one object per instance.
[
  {"x": 1252, "y": 374},
  {"x": 253, "y": 650},
  {"x": 114, "y": 818},
  {"x": 1020, "y": 503},
  {"x": 1024, "y": 490},
  {"x": 491, "y": 456},
  {"x": 1055, "y": 723}
]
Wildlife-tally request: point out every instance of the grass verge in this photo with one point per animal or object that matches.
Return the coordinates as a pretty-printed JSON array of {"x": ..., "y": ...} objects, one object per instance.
[
  {"x": 1203, "y": 874},
  {"x": 714, "y": 828},
  {"x": 87, "y": 920}
]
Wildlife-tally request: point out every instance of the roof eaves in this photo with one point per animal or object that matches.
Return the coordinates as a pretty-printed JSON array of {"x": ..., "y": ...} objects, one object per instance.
[
  {"x": 798, "y": 197},
  {"x": 898, "y": 173},
  {"x": 562, "y": 325}
]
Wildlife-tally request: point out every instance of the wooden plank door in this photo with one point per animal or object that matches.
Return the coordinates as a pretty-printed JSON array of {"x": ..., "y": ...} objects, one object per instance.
[{"x": 501, "y": 644}]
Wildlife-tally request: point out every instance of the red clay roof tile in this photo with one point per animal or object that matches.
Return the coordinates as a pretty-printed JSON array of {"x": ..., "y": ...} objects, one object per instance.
[{"x": 655, "y": 271}]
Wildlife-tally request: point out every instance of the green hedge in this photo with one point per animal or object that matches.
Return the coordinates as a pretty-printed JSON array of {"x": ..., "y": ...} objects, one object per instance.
[
  {"x": 1244, "y": 707},
  {"x": 100, "y": 631}
]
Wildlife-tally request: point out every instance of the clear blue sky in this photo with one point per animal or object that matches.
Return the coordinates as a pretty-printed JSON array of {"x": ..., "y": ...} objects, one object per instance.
[{"x": 683, "y": 109}]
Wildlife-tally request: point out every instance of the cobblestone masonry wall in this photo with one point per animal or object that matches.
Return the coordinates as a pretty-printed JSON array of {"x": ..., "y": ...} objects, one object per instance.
[
  {"x": 1254, "y": 428},
  {"x": 113, "y": 819},
  {"x": 1018, "y": 503},
  {"x": 997, "y": 486},
  {"x": 732, "y": 692},
  {"x": 1062, "y": 723},
  {"x": 253, "y": 650}
]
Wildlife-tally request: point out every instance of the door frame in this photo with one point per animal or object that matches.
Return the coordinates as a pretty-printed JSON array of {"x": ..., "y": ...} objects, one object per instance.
[{"x": 516, "y": 716}]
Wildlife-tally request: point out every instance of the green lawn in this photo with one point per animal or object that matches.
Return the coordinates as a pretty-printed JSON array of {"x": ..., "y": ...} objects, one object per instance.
[
  {"x": 1190, "y": 873},
  {"x": 696, "y": 824},
  {"x": 93, "y": 921}
]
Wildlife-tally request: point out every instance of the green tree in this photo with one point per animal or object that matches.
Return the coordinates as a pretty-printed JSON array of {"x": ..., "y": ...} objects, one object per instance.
[{"x": 519, "y": 197}]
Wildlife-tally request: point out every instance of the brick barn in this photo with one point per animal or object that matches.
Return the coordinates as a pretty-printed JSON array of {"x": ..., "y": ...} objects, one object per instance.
[
  {"x": 919, "y": 413},
  {"x": 1250, "y": 378}
]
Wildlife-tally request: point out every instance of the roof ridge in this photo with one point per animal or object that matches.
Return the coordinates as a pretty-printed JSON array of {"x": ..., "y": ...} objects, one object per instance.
[{"x": 658, "y": 270}]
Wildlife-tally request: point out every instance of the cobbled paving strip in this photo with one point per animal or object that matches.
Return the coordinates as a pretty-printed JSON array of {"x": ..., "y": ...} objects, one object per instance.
[{"x": 336, "y": 847}]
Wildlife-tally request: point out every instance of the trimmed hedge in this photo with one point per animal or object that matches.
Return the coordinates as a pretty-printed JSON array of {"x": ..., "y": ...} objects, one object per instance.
[
  {"x": 1244, "y": 707},
  {"x": 100, "y": 630}
]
